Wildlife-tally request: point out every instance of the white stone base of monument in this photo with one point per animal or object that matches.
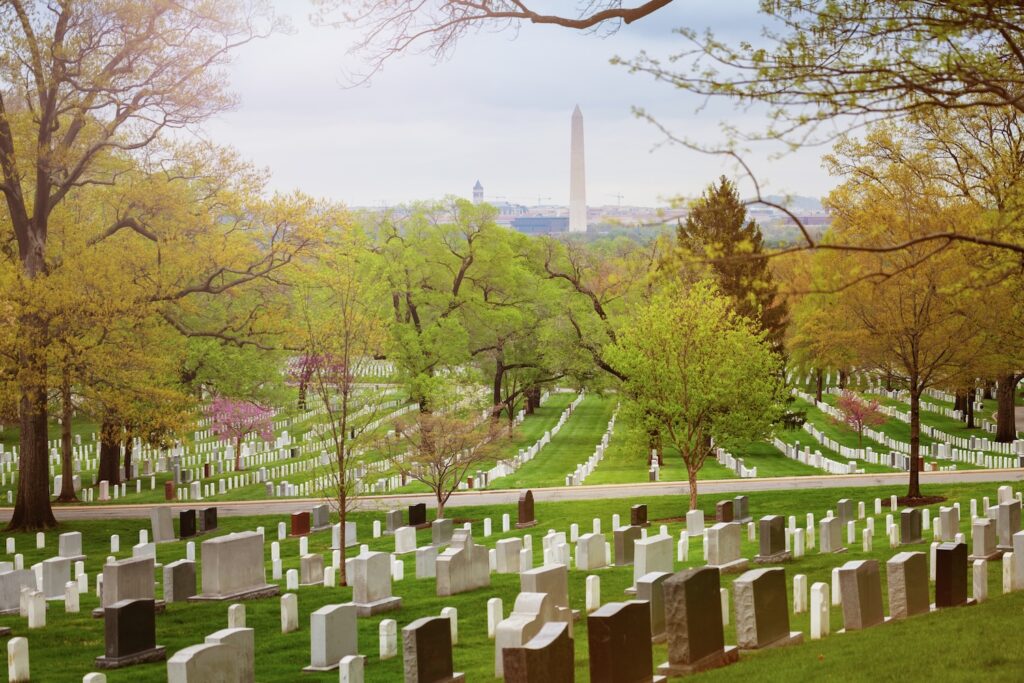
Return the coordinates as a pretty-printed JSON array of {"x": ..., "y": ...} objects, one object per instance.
[
  {"x": 991, "y": 558},
  {"x": 745, "y": 520},
  {"x": 1004, "y": 549},
  {"x": 5, "y": 630},
  {"x": 157, "y": 654},
  {"x": 794, "y": 638},
  {"x": 159, "y": 606},
  {"x": 77, "y": 558},
  {"x": 264, "y": 591},
  {"x": 526, "y": 525},
  {"x": 730, "y": 654},
  {"x": 314, "y": 529},
  {"x": 784, "y": 556},
  {"x": 733, "y": 567},
  {"x": 368, "y": 609},
  {"x": 332, "y": 667}
]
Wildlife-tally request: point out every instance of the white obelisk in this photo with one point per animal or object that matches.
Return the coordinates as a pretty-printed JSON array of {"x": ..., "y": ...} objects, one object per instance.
[{"x": 577, "y": 176}]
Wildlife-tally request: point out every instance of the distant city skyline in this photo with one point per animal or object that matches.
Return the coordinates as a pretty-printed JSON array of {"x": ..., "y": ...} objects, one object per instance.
[{"x": 495, "y": 111}]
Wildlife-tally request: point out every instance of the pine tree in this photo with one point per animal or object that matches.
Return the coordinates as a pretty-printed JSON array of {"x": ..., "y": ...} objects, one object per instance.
[{"x": 718, "y": 233}]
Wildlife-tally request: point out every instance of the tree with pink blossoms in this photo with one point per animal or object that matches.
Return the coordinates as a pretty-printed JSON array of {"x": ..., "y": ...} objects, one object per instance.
[
  {"x": 234, "y": 419},
  {"x": 857, "y": 413}
]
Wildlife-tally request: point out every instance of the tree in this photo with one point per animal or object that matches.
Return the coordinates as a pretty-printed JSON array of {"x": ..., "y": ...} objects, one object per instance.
[
  {"x": 858, "y": 413},
  {"x": 904, "y": 310},
  {"x": 391, "y": 28},
  {"x": 717, "y": 232},
  {"x": 824, "y": 68},
  {"x": 440, "y": 450},
  {"x": 85, "y": 81},
  {"x": 343, "y": 305},
  {"x": 236, "y": 419},
  {"x": 699, "y": 372}
]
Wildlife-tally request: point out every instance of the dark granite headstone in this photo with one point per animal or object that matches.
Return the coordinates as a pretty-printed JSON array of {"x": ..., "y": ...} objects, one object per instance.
[
  {"x": 638, "y": 516},
  {"x": 619, "y": 634},
  {"x": 300, "y": 523},
  {"x": 418, "y": 514},
  {"x": 427, "y": 651},
  {"x": 723, "y": 511},
  {"x": 762, "y": 609},
  {"x": 526, "y": 518},
  {"x": 547, "y": 658},
  {"x": 208, "y": 519},
  {"x": 693, "y": 620},
  {"x": 168, "y": 490},
  {"x": 772, "y": 539},
  {"x": 130, "y": 634},
  {"x": 187, "y": 523},
  {"x": 179, "y": 580},
  {"x": 910, "y": 526},
  {"x": 624, "y": 538},
  {"x": 951, "y": 575},
  {"x": 294, "y": 452},
  {"x": 206, "y": 470}
]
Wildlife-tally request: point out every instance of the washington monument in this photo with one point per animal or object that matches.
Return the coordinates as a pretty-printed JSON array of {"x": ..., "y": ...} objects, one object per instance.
[{"x": 577, "y": 176}]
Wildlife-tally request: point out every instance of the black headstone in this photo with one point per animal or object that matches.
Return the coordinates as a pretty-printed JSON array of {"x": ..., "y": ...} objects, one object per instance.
[
  {"x": 130, "y": 634},
  {"x": 208, "y": 519},
  {"x": 638, "y": 516},
  {"x": 427, "y": 650},
  {"x": 723, "y": 511},
  {"x": 951, "y": 574},
  {"x": 417, "y": 514},
  {"x": 187, "y": 523},
  {"x": 619, "y": 634},
  {"x": 526, "y": 518}
]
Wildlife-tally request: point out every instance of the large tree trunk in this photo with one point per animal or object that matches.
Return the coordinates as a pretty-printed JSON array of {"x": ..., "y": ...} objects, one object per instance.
[
  {"x": 842, "y": 379},
  {"x": 532, "y": 400},
  {"x": 820, "y": 384},
  {"x": 496, "y": 403},
  {"x": 127, "y": 457},
  {"x": 959, "y": 402},
  {"x": 691, "y": 477},
  {"x": 32, "y": 509},
  {"x": 67, "y": 484},
  {"x": 1006, "y": 420},
  {"x": 972, "y": 394},
  {"x": 110, "y": 452},
  {"x": 914, "y": 486}
]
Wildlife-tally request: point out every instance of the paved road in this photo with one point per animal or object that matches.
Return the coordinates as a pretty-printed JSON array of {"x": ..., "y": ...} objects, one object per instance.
[{"x": 565, "y": 493}]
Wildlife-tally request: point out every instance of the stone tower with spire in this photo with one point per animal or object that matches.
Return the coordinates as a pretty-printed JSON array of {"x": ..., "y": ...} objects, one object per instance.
[
  {"x": 478, "y": 193},
  {"x": 577, "y": 176}
]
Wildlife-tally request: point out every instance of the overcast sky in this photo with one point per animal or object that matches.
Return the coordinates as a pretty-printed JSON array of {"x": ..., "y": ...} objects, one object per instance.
[{"x": 498, "y": 111}]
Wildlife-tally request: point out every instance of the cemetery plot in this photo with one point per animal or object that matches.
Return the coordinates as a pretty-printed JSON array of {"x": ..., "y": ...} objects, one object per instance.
[
  {"x": 573, "y": 444},
  {"x": 299, "y": 627}
]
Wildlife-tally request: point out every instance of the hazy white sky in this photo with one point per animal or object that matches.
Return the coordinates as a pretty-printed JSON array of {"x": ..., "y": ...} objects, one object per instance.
[{"x": 497, "y": 111}]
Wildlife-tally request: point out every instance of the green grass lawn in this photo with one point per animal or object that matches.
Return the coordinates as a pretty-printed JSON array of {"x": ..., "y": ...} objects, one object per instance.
[
  {"x": 958, "y": 644},
  {"x": 573, "y": 444}
]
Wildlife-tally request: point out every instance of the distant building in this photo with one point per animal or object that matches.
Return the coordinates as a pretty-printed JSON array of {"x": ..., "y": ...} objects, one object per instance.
[
  {"x": 540, "y": 225},
  {"x": 478, "y": 193}
]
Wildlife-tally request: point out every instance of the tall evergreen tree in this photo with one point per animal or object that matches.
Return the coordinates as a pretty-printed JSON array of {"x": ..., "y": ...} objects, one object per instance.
[{"x": 718, "y": 234}]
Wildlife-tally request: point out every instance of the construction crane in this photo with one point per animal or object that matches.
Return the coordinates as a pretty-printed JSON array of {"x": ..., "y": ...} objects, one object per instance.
[{"x": 618, "y": 198}]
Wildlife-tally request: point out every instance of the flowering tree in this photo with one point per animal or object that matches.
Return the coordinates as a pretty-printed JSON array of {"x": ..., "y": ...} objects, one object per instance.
[
  {"x": 857, "y": 414},
  {"x": 235, "y": 419}
]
